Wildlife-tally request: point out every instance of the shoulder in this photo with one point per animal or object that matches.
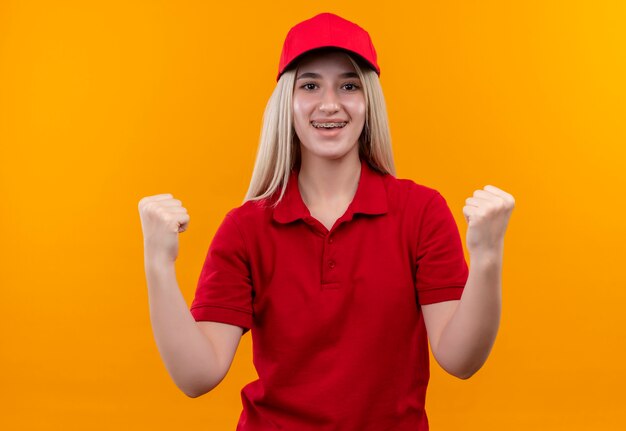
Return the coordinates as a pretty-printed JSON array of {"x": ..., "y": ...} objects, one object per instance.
[
  {"x": 409, "y": 193},
  {"x": 251, "y": 213}
]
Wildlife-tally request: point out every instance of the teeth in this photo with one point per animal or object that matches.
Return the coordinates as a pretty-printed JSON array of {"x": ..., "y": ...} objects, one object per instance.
[{"x": 327, "y": 125}]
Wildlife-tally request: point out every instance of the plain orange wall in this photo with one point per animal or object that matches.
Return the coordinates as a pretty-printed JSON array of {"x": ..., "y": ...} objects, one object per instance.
[{"x": 102, "y": 103}]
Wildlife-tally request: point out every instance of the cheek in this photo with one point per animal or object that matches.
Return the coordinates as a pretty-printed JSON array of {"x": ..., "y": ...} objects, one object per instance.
[
  {"x": 356, "y": 108},
  {"x": 300, "y": 119},
  {"x": 300, "y": 111},
  {"x": 297, "y": 108},
  {"x": 297, "y": 117}
]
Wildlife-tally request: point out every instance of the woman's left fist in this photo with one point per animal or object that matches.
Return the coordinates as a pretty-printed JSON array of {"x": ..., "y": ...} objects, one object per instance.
[{"x": 487, "y": 213}]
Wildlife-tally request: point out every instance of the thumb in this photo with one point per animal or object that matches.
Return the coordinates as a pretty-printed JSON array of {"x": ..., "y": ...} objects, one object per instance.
[{"x": 182, "y": 223}]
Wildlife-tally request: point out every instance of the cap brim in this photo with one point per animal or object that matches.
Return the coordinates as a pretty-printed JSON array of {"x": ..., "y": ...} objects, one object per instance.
[{"x": 294, "y": 62}]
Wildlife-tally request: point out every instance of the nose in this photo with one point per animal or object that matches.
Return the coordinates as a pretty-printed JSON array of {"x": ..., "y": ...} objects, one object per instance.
[{"x": 329, "y": 103}]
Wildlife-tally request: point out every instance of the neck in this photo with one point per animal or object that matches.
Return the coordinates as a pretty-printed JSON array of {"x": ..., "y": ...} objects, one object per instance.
[{"x": 329, "y": 182}]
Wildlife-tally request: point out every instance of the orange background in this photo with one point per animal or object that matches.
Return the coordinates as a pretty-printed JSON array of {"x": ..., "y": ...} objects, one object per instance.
[{"x": 102, "y": 103}]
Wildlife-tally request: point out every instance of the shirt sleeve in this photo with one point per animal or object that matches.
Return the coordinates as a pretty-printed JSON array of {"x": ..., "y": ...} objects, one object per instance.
[
  {"x": 441, "y": 267},
  {"x": 224, "y": 289}
]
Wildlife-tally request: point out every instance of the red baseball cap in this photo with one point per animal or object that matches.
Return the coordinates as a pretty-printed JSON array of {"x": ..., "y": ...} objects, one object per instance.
[{"x": 326, "y": 30}]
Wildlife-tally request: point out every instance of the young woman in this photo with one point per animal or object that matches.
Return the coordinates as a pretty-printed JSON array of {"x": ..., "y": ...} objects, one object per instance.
[{"x": 342, "y": 272}]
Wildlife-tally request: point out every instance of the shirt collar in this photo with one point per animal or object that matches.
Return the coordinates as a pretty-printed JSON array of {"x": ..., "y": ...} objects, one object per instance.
[{"x": 370, "y": 197}]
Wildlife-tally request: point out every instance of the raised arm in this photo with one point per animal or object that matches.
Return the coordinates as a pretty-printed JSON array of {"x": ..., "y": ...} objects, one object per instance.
[
  {"x": 462, "y": 333},
  {"x": 197, "y": 355}
]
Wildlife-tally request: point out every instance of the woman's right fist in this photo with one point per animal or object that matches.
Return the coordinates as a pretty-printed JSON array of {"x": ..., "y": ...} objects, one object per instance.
[{"x": 162, "y": 218}]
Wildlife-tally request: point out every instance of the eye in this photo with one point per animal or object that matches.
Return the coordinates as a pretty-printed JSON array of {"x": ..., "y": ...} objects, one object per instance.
[
  {"x": 306, "y": 86},
  {"x": 351, "y": 86}
]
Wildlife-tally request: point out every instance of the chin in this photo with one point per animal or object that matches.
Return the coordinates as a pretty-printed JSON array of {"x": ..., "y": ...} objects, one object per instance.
[{"x": 328, "y": 152}]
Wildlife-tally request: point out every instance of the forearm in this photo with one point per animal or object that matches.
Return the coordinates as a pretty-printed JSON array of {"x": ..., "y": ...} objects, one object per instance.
[
  {"x": 468, "y": 337},
  {"x": 187, "y": 353}
]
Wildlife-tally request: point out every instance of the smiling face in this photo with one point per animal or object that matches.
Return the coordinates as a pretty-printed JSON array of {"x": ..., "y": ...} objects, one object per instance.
[{"x": 328, "y": 106}]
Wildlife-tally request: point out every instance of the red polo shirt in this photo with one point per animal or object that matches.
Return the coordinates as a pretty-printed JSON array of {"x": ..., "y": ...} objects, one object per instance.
[{"x": 339, "y": 341}]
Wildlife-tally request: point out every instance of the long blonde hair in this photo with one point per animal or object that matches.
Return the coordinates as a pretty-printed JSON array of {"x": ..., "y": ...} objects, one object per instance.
[{"x": 279, "y": 147}]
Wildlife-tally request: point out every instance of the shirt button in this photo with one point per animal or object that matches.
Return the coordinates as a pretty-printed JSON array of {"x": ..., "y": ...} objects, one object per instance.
[
  {"x": 331, "y": 264},
  {"x": 330, "y": 240}
]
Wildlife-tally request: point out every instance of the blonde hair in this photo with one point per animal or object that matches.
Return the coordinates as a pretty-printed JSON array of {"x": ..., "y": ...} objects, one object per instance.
[{"x": 279, "y": 147}]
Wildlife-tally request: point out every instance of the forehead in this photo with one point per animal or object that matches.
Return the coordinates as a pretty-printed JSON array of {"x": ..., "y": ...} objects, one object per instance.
[{"x": 326, "y": 60}]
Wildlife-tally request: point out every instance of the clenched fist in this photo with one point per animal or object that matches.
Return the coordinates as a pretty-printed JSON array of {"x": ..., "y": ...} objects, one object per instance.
[
  {"x": 162, "y": 219},
  {"x": 487, "y": 214}
]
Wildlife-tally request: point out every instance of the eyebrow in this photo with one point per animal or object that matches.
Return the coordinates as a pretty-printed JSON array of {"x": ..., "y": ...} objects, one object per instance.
[{"x": 318, "y": 76}]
